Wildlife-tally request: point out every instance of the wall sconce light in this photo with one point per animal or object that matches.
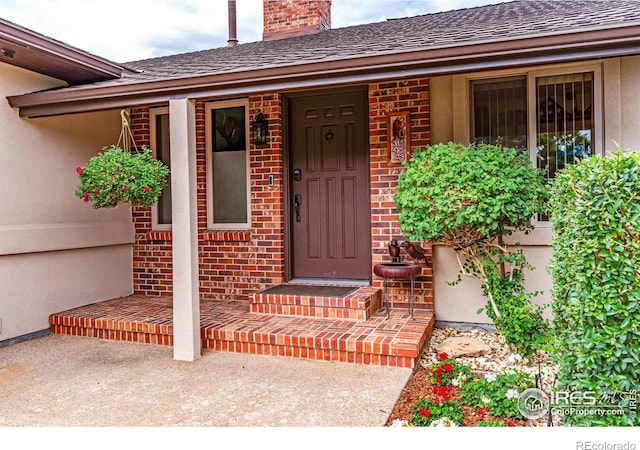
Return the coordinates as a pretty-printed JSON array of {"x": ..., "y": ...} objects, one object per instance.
[
  {"x": 259, "y": 130},
  {"x": 7, "y": 53}
]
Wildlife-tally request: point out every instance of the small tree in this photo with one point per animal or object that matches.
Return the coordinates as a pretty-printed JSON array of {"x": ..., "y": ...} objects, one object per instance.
[
  {"x": 469, "y": 198},
  {"x": 595, "y": 268}
]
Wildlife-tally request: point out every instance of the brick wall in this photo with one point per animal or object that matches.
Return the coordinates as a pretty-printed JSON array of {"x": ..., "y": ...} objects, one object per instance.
[
  {"x": 234, "y": 264},
  {"x": 395, "y": 96},
  {"x": 286, "y": 18}
]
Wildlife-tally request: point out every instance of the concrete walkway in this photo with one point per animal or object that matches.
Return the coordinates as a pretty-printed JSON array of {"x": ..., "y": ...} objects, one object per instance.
[{"x": 57, "y": 380}]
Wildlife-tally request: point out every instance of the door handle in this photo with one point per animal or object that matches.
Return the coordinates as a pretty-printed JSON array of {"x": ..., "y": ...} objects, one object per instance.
[{"x": 297, "y": 201}]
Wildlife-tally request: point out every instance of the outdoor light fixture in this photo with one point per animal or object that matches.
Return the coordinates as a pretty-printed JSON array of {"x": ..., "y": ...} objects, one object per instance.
[
  {"x": 7, "y": 53},
  {"x": 259, "y": 130}
]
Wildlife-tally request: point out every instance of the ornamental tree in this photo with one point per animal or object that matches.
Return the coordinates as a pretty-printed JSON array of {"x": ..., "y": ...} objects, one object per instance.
[{"x": 469, "y": 198}]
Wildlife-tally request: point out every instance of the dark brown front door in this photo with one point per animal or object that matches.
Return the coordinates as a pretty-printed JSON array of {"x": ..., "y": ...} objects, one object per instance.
[{"x": 329, "y": 186}]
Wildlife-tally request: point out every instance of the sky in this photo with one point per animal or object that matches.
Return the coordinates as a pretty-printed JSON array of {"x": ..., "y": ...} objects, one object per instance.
[{"x": 130, "y": 30}]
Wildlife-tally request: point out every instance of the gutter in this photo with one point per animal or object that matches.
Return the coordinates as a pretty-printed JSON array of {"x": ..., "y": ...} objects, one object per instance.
[{"x": 554, "y": 48}]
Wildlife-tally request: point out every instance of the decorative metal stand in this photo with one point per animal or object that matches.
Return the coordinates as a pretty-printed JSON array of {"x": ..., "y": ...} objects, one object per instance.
[{"x": 398, "y": 272}]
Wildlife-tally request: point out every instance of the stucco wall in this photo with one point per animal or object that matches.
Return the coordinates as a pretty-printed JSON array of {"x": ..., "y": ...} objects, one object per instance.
[
  {"x": 56, "y": 252},
  {"x": 449, "y": 119}
]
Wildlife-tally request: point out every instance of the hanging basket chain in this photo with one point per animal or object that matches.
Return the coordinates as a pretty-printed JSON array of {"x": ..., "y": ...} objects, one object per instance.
[{"x": 126, "y": 136}]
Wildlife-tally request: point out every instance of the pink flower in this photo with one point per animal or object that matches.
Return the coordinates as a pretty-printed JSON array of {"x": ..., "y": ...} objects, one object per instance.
[
  {"x": 424, "y": 412},
  {"x": 147, "y": 189},
  {"x": 125, "y": 188},
  {"x": 79, "y": 170}
]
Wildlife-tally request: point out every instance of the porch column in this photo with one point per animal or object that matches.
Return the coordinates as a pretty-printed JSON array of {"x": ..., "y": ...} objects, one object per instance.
[{"x": 186, "y": 298}]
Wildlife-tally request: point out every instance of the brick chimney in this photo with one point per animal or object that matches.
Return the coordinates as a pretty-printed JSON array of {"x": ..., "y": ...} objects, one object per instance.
[{"x": 288, "y": 18}]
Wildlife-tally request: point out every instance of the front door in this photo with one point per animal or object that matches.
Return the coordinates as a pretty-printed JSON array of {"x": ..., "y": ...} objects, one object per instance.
[{"x": 329, "y": 186}]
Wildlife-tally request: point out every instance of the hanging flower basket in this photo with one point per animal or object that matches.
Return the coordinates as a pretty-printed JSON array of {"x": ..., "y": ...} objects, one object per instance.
[{"x": 117, "y": 176}]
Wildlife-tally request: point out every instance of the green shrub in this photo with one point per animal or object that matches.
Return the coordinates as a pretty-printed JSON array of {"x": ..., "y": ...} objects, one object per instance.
[
  {"x": 595, "y": 212},
  {"x": 469, "y": 199}
]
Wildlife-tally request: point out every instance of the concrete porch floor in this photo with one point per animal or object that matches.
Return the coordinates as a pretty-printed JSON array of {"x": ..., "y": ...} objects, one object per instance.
[{"x": 228, "y": 325}]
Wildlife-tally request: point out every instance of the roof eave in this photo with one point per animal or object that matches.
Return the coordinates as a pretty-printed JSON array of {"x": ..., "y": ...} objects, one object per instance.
[
  {"x": 591, "y": 44},
  {"x": 50, "y": 48}
]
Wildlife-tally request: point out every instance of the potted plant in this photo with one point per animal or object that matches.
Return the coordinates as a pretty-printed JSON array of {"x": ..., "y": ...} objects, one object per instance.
[{"x": 116, "y": 176}]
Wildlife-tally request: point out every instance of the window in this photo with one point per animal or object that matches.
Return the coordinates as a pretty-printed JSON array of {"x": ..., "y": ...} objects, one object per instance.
[
  {"x": 227, "y": 165},
  {"x": 500, "y": 112},
  {"x": 552, "y": 115},
  {"x": 564, "y": 120},
  {"x": 161, "y": 212}
]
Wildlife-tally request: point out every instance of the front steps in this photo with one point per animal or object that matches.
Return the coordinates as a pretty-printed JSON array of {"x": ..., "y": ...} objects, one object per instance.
[{"x": 353, "y": 329}]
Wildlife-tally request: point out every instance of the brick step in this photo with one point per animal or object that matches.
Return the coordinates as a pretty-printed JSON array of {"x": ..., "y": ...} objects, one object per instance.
[
  {"x": 397, "y": 341},
  {"x": 357, "y": 305}
]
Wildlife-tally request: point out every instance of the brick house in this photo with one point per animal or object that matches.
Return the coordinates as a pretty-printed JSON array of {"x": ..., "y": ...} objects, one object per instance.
[{"x": 314, "y": 203}]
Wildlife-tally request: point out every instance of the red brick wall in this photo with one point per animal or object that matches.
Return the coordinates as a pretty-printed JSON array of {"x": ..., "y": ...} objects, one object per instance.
[
  {"x": 285, "y": 18},
  {"x": 236, "y": 264},
  {"x": 233, "y": 264},
  {"x": 394, "y": 96}
]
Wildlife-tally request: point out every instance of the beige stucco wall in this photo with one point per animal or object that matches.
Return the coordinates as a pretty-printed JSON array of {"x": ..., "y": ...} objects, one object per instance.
[
  {"x": 449, "y": 122},
  {"x": 56, "y": 252}
]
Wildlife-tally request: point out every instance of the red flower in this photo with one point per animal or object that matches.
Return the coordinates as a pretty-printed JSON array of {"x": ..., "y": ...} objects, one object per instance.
[
  {"x": 438, "y": 380},
  {"x": 125, "y": 188},
  {"x": 442, "y": 356},
  {"x": 85, "y": 197},
  {"x": 438, "y": 371},
  {"x": 509, "y": 423},
  {"x": 442, "y": 392},
  {"x": 409, "y": 399},
  {"x": 79, "y": 170},
  {"x": 448, "y": 367},
  {"x": 424, "y": 412},
  {"x": 481, "y": 412},
  {"x": 147, "y": 189},
  {"x": 96, "y": 191}
]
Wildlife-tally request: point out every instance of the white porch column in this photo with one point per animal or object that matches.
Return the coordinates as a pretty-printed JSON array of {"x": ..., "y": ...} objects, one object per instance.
[{"x": 186, "y": 298}]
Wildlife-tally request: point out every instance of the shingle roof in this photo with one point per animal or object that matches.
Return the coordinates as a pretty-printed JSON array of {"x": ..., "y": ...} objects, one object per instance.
[
  {"x": 516, "y": 19},
  {"x": 504, "y": 35}
]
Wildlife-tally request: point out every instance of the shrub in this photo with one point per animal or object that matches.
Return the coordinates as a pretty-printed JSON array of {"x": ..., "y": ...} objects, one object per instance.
[
  {"x": 115, "y": 176},
  {"x": 469, "y": 199},
  {"x": 596, "y": 274}
]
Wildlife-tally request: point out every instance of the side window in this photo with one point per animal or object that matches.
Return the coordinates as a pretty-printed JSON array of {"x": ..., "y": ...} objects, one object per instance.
[
  {"x": 227, "y": 165},
  {"x": 160, "y": 145},
  {"x": 499, "y": 113}
]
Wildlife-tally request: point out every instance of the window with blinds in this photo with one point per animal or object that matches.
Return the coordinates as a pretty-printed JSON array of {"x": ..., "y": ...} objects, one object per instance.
[
  {"x": 564, "y": 120},
  {"x": 499, "y": 113},
  {"x": 561, "y": 111}
]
